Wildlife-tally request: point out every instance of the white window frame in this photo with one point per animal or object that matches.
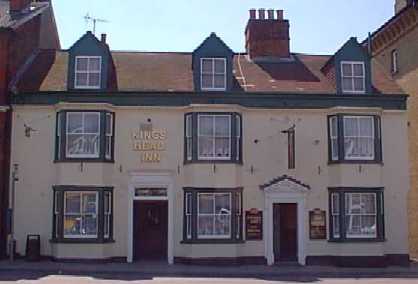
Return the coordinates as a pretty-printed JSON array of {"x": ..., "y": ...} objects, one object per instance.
[
  {"x": 81, "y": 214},
  {"x": 107, "y": 215},
  {"x": 335, "y": 214},
  {"x": 352, "y": 77},
  {"x": 214, "y": 215},
  {"x": 109, "y": 146},
  {"x": 189, "y": 137},
  {"x": 354, "y": 158},
  {"x": 394, "y": 61},
  {"x": 214, "y": 157},
  {"x": 333, "y": 137},
  {"x": 95, "y": 155},
  {"x": 212, "y": 74},
  {"x": 88, "y": 72},
  {"x": 346, "y": 214},
  {"x": 189, "y": 215}
]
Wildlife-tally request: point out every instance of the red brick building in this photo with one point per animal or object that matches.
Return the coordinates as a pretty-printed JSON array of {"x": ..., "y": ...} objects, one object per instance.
[{"x": 25, "y": 28}]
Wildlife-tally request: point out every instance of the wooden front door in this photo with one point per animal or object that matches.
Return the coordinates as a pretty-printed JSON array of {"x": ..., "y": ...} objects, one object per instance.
[
  {"x": 285, "y": 233},
  {"x": 150, "y": 229}
]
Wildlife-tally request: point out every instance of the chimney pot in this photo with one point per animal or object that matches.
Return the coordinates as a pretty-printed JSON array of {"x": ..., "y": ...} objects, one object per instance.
[
  {"x": 261, "y": 14},
  {"x": 280, "y": 15},
  {"x": 270, "y": 14},
  {"x": 103, "y": 38},
  {"x": 253, "y": 14}
]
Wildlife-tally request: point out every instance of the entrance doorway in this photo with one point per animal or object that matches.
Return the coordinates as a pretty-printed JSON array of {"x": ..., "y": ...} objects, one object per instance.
[
  {"x": 285, "y": 235},
  {"x": 150, "y": 230}
]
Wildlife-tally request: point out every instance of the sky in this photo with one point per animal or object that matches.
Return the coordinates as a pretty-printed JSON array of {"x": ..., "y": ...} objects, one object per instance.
[{"x": 316, "y": 26}]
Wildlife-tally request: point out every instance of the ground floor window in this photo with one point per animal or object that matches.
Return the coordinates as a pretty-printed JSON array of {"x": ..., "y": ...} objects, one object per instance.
[
  {"x": 82, "y": 214},
  {"x": 356, "y": 214},
  {"x": 212, "y": 215}
]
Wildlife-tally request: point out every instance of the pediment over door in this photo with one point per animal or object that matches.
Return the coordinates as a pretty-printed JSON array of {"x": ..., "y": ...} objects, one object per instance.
[{"x": 285, "y": 184}]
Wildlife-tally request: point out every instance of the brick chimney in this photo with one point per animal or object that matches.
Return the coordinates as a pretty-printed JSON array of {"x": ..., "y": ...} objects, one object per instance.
[
  {"x": 267, "y": 36},
  {"x": 401, "y": 4},
  {"x": 18, "y": 5}
]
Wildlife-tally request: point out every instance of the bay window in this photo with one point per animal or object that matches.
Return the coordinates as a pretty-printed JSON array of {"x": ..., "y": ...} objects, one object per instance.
[
  {"x": 82, "y": 214},
  {"x": 213, "y": 137},
  {"x": 84, "y": 135},
  {"x": 356, "y": 214},
  {"x": 212, "y": 215},
  {"x": 354, "y": 138}
]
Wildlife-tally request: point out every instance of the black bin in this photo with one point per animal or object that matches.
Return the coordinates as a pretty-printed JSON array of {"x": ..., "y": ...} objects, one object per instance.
[{"x": 33, "y": 247}]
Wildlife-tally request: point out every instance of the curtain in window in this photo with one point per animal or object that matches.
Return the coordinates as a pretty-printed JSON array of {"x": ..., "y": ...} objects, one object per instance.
[
  {"x": 359, "y": 137},
  {"x": 214, "y": 215},
  {"x": 80, "y": 214},
  {"x": 214, "y": 137},
  {"x": 360, "y": 215},
  {"x": 83, "y": 134}
]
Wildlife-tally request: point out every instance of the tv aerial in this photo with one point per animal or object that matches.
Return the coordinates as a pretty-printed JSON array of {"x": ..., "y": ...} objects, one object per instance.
[{"x": 90, "y": 19}]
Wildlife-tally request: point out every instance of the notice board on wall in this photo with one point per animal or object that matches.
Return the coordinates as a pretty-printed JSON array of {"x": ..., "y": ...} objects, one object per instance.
[
  {"x": 317, "y": 225},
  {"x": 254, "y": 225}
]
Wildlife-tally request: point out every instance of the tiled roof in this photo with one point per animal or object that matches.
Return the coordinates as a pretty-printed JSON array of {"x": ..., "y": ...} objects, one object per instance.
[
  {"x": 14, "y": 20},
  {"x": 172, "y": 72}
]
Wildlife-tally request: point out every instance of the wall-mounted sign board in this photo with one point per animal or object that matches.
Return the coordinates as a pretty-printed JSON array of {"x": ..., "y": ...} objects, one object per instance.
[
  {"x": 317, "y": 225},
  {"x": 254, "y": 225}
]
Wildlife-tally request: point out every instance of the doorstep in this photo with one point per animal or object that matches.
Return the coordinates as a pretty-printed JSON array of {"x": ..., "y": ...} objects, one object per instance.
[{"x": 163, "y": 269}]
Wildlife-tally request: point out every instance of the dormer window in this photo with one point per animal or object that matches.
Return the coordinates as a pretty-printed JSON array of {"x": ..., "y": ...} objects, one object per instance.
[
  {"x": 213, "y": 74},
  {"x": 353, "y": 77},
  {"x": 87, "y": 72}
]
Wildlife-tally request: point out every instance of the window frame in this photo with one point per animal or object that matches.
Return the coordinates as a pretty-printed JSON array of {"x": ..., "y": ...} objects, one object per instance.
[
  {"x": 61, "y": 154},
  {"x": 380, "y": 214},
  {"x": 235, "y": 142},
  {"x": 213, "y": 74},
  {"x": 340, "y": 157},
  {"x": 58, "y": 214},
  {"x": 353, "y": 77},
  {"x": 191, "y": 235},
  {"x": 88, "y": 72},
  {"x": 214, "y": 137}
]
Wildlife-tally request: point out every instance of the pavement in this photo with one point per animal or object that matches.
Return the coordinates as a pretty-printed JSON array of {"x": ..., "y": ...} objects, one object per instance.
[{"x": 149, "y": 270}]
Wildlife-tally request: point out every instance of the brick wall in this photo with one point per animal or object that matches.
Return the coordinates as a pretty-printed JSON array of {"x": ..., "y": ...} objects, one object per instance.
[{"x": 407, "y": 78}]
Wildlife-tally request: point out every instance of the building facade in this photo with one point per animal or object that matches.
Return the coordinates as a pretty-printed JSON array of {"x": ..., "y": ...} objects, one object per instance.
[
  {"x": 394, "y": 46},
  {"x": 256, "y": 157},
  {"x": 25, "y": 27}
]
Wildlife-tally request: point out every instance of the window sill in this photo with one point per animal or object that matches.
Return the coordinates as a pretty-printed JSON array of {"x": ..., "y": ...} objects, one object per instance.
[
  {"x": 212, "y": 241},
  {"x": 357, "y": 240},
  {"x": 213, "y": 162},
  {"x": 355, "y": 162},
  {"x": 81, "y": 241},
  {"x": 84, "y": 160}
]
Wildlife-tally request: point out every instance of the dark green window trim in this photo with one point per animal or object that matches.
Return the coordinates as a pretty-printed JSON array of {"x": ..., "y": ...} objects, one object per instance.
[
  {"x": 378, "y": 155},
  {"x": 380, "y": 214},
  {"x": 60, "y": 138},
  {"x": 236, "y": 138},
  {"x": 58, "y": 214},
  {"x": 191, "y": 236}
]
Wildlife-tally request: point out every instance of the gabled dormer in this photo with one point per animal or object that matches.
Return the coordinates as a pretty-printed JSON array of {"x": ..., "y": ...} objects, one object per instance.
[
  {"x": 88, "y": 64},
  {"x": 352, "y": 68},
  {"x": 212, "y": 65}
]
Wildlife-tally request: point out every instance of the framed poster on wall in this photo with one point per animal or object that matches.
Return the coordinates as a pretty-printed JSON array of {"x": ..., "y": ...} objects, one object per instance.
[
  {"x": 317, "y": 225},
  {"x": 254, "y": 225}
]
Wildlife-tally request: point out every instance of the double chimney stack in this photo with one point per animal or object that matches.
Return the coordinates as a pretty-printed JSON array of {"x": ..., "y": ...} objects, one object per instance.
[{"x": 267, "y": 36}]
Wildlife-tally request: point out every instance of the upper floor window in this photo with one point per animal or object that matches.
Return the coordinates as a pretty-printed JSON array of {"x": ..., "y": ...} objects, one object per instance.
[
  {"x": 87, "y": 72},
  {"x": 394, "y": 61},
  {"x": 354, "y": 138},
  {"x": 86, "y": 135},
  {"x": 213, "y": 137},
  {"x": 213, "y": 74},
  {"x": 353, "y": 78}
]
